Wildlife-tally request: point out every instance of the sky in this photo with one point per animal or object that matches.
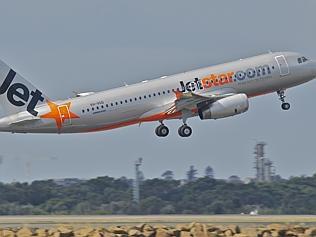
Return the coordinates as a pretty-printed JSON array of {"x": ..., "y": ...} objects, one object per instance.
[{"x": 76, "y": 45}]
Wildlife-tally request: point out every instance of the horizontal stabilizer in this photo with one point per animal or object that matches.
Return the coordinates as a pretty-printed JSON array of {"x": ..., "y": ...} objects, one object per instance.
[{"x": 22, "y": 119}]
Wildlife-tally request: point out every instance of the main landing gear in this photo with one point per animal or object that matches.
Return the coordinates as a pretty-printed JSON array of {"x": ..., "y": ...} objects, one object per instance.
[
  {"x": 162, "y": 130},
  {"x": 183, "y": 131},
  {"x": 284, "y": 105}
]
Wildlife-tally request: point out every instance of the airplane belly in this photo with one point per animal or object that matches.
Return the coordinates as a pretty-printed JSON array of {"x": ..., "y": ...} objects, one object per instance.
[{"x": 108, "y": 118}]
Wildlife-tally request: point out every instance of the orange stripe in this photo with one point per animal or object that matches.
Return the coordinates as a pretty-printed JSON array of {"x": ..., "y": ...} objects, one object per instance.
[
  {"x": 155, "y": 117},
  {"x": 259, "y": 94}
]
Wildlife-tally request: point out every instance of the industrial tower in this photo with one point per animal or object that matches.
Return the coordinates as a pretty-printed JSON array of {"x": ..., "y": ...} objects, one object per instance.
[
  {"x": 263, "y": 165},
  {"x": 138, "y": 177}
]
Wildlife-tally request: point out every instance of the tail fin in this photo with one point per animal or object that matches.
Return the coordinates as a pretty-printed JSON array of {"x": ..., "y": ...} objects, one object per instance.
[{"x": 17, "y": 94}]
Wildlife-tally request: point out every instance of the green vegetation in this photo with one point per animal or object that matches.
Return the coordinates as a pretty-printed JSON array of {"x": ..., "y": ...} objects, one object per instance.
[{"x": 106, "y": 195}]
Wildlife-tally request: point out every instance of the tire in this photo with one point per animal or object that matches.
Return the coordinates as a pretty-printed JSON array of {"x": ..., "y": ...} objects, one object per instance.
[
  {"x": 285, "y": 106},
  {"x": 162, "y": 131},
  {"x": 185, "y": 131},
  {"x": 157, "y": 131}
]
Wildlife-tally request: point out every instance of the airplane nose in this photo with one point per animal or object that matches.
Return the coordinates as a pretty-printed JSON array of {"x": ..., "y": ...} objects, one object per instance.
[{"x": 313, "y": 67}]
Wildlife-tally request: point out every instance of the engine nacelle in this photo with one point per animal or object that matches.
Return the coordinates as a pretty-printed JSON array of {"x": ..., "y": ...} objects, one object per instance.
[{"x": 229, "y": 106}]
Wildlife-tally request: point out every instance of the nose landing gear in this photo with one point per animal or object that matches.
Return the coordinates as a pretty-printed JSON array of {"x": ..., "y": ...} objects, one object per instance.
[{"x": 284, "y": 105}]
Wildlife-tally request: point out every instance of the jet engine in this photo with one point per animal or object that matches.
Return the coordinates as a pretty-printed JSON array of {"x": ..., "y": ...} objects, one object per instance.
[{"x": 229, "y": 106}]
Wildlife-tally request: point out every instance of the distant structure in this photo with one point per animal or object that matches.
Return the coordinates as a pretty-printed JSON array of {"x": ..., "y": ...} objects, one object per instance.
[
  {"x": 263, "y": 165},
  {"x": 1, "y": 160},
  {"x": 138, "y": 177},
  {"x": 209, "y": 172},
  {"x": 28, "y": 169}
]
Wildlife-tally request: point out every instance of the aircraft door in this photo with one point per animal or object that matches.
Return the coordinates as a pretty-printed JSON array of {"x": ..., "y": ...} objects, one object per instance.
[
  {"x": 64, "y": 115},
  {"x": 283, "y": 65}
]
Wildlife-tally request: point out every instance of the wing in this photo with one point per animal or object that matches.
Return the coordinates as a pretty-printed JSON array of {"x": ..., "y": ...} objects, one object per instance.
[
  {"x": 190, "y": 100},
  {"x": 185, "y": 102}
]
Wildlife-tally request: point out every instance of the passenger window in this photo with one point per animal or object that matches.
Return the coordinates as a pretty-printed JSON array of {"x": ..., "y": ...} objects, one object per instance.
[
  {"x": 149, "y": 95},
  {"x": 130, "y": 100},
  {"x": 125, "y": 101},
  {"x": 88, "y": 110},
  {"x": 111, "y": 104},
  {"x": 135, "y": 98},
  {"x": 299, "y": 60},
  {"x": 140, "y": 97},
  {"x": 163, "y": 92},
  {"x": 83, "y": 111},
  {"x": 168, "y": 91}
]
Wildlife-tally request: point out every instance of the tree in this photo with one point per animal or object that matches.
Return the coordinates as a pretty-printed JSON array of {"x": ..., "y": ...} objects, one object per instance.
[
  {"x": 209, "y": 172},
  {"x": 151, "y": 205},
  {"x": 234, "y": 179},
  {"x": 106, "y": 195},
  {"x": 168, "y": 209},
  {"x": 167, "y": 175},
  {"x": 191, "y": 174}
]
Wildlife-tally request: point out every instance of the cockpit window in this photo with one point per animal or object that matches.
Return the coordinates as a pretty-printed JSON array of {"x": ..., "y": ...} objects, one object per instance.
[{"x": 302, "y": 60}]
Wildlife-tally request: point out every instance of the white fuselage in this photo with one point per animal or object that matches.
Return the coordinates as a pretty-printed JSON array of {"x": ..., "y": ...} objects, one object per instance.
[{"x": 143, "y": 101}]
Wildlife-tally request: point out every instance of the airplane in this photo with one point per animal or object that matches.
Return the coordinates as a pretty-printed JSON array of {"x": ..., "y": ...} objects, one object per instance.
[{"x": 210, "y": 93}]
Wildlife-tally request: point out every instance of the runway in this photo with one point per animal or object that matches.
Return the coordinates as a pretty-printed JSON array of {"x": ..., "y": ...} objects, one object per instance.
[{"x": 243, "y": 220}]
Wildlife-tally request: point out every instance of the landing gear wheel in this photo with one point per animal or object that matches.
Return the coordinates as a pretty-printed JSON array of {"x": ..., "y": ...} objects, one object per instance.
[
  {"x": 185, "y": 131},
  {"x": 285, "y": 106},
  {"x": 162, "y": 131}
]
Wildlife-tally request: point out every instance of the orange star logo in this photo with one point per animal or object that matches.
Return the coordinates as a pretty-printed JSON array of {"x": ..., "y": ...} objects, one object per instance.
[{"x": 60, "y": 113}]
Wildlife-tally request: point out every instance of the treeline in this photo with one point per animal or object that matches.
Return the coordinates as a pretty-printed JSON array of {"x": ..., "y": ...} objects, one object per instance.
[{"x": 106, "y": 195}]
